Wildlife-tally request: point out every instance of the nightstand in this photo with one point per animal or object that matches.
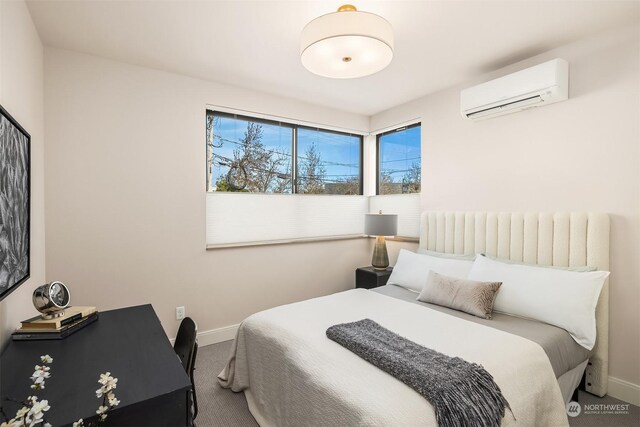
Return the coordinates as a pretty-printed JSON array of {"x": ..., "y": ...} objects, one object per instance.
[{"x": 369, "y": 277}]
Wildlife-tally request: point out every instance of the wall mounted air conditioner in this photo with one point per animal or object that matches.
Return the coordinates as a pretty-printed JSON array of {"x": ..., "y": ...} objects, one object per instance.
[{"x": 542, "y": 84}]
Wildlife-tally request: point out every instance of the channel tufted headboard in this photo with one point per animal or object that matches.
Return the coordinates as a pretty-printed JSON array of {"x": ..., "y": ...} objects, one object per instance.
[{"x": 560, "y": 239}]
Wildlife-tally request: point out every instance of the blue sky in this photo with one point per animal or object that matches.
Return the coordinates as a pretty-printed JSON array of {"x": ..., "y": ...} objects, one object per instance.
[
  {"x": 340, "y": 153},
  {"x": 398, "y": 151}
]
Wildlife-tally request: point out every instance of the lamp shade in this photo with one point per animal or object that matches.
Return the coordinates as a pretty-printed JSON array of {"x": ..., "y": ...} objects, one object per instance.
[
  {"x": 380, "y": 224},
  {"x": 346, "y": 44}
]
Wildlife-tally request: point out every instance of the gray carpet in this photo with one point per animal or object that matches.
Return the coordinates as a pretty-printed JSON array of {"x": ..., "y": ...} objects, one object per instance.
[
  {"x": 217, "y": 406},
  {"x": 220, "y": 408}
]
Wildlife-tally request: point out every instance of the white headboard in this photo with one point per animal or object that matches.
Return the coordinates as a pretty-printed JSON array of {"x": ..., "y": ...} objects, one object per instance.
[{"x": 560, "y": 239}]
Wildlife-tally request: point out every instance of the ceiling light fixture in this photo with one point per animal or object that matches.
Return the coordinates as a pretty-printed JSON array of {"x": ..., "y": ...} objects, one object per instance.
[{"x": 347, "y": 44}]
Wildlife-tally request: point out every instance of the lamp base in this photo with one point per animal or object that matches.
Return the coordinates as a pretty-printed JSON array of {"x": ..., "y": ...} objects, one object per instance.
[{"x": 380, "y": 259}]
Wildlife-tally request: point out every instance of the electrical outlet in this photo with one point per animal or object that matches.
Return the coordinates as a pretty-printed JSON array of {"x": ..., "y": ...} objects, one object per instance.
[{"x": 180, "y": 313}]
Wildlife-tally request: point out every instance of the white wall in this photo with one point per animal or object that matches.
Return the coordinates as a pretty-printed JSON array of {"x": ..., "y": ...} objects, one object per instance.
[
  {"x": 578, "y": 155},
  {"x": 125, "y": 195},
  {"x": 21, "y": 94}
]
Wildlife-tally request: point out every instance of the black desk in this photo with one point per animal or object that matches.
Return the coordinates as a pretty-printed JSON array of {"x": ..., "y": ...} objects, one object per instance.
[{"x": 131, "y": 344}]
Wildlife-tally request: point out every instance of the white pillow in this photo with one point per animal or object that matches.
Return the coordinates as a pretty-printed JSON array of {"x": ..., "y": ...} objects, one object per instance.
[
  {"x": 468, "y": 257},
  {"x": 563, "y": 298},
  {"x": 412, "y": 269}
]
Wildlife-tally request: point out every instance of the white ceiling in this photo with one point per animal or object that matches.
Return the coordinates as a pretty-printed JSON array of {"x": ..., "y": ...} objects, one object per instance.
[{"x": 255, "y": 44}]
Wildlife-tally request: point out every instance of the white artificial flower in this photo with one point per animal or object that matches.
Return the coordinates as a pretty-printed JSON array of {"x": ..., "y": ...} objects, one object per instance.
[
  {"x": 114, "y": 402},
  {"x": 79, "y": 423},
  {"x": 46, "y": 359},
  {"x": 39, "y": 375},
  {"x": 104, "y": 378},
  {"x": 27, "y": 421},
  {"x": 107, "y": 381},
  {"x": 22, "y": 412},
  {"x": 42, "y": 406},
  {"x": 13, "y": 423},
  {"x": 42, "y": 368},
  {"x": 37, "y": 411},
  {"x": 37, "y": 379},
  {"x": 102, "y": 411}
]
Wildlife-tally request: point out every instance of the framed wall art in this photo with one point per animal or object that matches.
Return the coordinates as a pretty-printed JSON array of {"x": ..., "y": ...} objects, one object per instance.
[{"x": 15, "y": 203}]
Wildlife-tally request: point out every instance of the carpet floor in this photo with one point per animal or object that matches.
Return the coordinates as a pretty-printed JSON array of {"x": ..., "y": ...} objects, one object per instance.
[{"x": 219, "y": 407}]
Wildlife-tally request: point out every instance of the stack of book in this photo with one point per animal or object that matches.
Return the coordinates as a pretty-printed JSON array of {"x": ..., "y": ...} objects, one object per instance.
[{"x": 38, "y": 328}]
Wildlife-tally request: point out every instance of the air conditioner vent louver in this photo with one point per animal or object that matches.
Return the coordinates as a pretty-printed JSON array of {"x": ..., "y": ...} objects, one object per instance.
[
  {"x": 527, "y": 102},
  {"x": 542, "y": 84}
]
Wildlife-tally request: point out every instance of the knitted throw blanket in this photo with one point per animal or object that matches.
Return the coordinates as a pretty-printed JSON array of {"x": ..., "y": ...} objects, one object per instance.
[{"x": 461, "y": 393}]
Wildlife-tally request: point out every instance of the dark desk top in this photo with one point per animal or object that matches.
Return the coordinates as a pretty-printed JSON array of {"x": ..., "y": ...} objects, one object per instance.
[{"x": 129, "y": 342}]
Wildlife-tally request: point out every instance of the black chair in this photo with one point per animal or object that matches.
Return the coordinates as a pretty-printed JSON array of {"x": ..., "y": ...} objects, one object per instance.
[{"x": 186, "y": 347}]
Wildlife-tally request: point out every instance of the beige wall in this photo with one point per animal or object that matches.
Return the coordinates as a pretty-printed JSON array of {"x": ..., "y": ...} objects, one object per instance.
[
  {"x": 125, "y": 194},
  {"x": 580, "y": 155},
  {"x": 21, "y": 94}
]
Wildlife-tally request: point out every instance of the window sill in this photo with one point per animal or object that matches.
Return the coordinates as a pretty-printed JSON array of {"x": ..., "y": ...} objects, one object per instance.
[
  {"x": 403, "y": 239},
  {"x": 307, "y": 240},
  {"x": 284, "y": 241}
]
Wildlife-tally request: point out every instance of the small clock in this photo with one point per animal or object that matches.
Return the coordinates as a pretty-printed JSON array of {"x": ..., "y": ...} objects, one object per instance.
[{"x": 51, "y": 299}]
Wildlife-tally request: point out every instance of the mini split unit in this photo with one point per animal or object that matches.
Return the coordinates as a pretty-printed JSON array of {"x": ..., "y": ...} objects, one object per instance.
[{"x": 542, "y": 84}]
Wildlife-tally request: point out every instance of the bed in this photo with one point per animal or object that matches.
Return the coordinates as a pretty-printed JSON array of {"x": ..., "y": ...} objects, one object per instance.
[{"x": 293, "y": 375}]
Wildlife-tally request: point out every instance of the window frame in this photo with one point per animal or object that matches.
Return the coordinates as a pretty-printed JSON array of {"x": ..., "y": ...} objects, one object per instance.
[
  {"x": 379, "y": 159},
  {"x": 294, "y": 147},
  {"x": 360, "y": 157}
]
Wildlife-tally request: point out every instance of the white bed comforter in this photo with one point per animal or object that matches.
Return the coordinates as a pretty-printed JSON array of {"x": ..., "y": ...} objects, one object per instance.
[{"x": 293, "y": 375}]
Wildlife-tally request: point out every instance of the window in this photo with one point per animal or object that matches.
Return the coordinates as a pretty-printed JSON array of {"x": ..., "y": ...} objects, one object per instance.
[
  {"x": 328, "y": 162},
  {"x": 254, "y": 165},
  {"x": 246, "y": 154},
  {"x": 399, "y": 167}
]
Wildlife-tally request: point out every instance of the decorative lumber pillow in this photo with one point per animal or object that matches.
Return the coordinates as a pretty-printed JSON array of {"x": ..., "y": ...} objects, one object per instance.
[{"x": 469, "y": 296}]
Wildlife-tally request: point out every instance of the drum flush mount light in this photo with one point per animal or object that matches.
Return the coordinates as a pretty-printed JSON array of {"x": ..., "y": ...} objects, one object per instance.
[{"x": 347, "y": 44}]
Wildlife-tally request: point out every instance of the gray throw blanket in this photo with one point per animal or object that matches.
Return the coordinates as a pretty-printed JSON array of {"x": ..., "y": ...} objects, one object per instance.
[{"x": 461, "y": 393}]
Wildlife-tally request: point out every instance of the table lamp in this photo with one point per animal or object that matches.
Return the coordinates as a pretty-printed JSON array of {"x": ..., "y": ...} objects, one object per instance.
[{"x": 380, "y": 225}]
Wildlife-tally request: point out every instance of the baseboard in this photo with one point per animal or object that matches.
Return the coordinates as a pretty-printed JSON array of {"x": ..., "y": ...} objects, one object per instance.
[
  {"x": 214, "y": 336},
  {"x": 624, "y": 390}
]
